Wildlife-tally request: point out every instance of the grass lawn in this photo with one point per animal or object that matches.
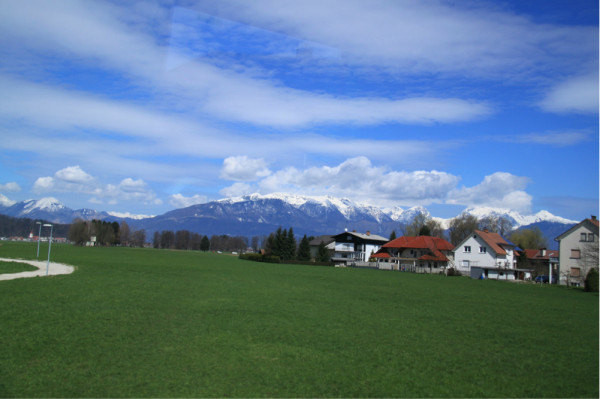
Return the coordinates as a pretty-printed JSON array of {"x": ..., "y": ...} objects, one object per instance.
[
  {"x": 150, "y": 323},
  {"x": 15, "y": 267}
]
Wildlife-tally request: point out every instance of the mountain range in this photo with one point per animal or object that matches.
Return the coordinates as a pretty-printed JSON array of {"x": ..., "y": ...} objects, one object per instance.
[{"x": 262, "y": 214}]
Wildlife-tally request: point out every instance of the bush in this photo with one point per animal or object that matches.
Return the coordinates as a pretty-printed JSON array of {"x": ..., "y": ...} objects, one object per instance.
[
  {"x": 453, "y": 272},
  {"x": 260, "y": 258},
  {"x": 591, "y": 281}
]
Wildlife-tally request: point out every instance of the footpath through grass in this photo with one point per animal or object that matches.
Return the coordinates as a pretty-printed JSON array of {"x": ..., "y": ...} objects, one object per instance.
[{"x": 150, "y": 323}]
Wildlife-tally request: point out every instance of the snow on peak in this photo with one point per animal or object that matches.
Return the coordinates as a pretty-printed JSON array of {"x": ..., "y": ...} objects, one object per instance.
[
  {"x": 49, "y": 204},
  {"x": 394, "y": 213},
  {"x": 516, "y": 217},
  {"x": 345, "y": 206},
  {"x": 129, "y": 215},
  {"x": 4, "y": 201}
]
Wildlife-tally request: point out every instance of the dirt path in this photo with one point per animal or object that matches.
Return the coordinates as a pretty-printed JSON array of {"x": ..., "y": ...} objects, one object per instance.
[{"x": 53, "y": 269}]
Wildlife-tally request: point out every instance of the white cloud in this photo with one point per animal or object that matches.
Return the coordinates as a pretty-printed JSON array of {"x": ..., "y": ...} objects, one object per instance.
[
  {"x": 73, "y": 179},
  {"x": 237, "y": 190},
  {"x": 575, "y": 95},
  {"x": 43, "y": 184},
  {"x": 10, "y": 187},
  {"x": 73, "y": 174},
  {"x": 420, "y": 36},
  {"x": 355, "y": 178},
  {"x": 358, "y": 179},
  {"x": 500, "y": 190},
  {"x": 127, "y": 190},
  {"x": 242, "y": 168},
  {"x": 552, "y": 138},
  {"x": 226, "y": 93},
  {"x": 180, "y": 201}
]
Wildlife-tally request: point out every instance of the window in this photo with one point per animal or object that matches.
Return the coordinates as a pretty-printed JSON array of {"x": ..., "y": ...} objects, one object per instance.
[
  {"x": 575, "y": 271},
  {"x": 468, "y": 249},
  {"x": 590, "y": 237},
  {"x": 583, "y": 237},
  {"x": 575, "y": 254},
  {"x": 482, "y": 250},
  {"x": 465, "y": 263}
]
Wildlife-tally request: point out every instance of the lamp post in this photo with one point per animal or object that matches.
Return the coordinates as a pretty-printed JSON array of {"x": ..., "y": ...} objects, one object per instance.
[
  {"x": 39, "y": 236},
  {"x": 49, "y": 246}
]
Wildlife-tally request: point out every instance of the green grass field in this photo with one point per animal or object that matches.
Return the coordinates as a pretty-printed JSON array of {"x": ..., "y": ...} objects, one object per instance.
[
  {"x": 155, "y": 323},
  {"x": 15, "y": 267}
]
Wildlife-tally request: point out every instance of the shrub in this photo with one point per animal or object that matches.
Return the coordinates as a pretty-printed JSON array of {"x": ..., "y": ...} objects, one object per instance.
[
  {"x": 591, "y": 281},
  {"x": 260, "y": 258},
  {"x": 453, "y": 272}
]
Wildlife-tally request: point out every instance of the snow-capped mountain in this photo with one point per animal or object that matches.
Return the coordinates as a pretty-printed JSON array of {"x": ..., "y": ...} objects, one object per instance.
[
  {"x": 516, "y": 218},
  {"x": 49, "y": 209},
  {"x": 262, "y": 214}
]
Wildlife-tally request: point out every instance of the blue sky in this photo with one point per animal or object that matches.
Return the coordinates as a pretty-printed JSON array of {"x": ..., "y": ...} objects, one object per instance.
[{"x": 145, "y": 107}]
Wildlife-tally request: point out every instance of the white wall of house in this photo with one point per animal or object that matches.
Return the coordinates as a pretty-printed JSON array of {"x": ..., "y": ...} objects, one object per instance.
[
  {"x": 493, "y": 274},
  {"x": 572, "y": 266},
  {"x": 480, "y": 254}
]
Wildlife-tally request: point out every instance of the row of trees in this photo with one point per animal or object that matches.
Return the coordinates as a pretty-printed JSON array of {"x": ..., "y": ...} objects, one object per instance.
[
  {"x": 22, "y": 227},
  {"x": 105, "y": 233},
  {"x": 186, "y": 240}
]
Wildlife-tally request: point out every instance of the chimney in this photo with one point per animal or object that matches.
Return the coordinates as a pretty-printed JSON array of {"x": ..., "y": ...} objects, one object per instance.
[
  {"x": 543, "y": 251},
  {"x": 368, "y": 233},
  {"x": 485, "y": 231},
  {"x": 593, "y": 217}
]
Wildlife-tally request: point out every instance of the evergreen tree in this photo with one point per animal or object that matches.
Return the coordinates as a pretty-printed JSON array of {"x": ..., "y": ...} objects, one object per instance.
[
  {"x": 393, "y": 235},
  {"x": 277, "y": 244},
  {"x": 290, "y": 245},
  {"x": 424, "y": 231},
  {"x": 304, "y": 249},
  {"x": 323, "y": 253},
  {"x": 205, "y": 244}
]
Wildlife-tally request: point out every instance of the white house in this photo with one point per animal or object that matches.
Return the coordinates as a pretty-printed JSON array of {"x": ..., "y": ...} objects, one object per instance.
[
  {"x": 353, "y": 247},
  {"x": 489, "y": 255},
  {"x": 578, "y": 252}
]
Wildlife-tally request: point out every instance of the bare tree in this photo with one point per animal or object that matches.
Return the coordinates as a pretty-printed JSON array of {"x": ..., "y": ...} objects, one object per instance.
[
  {"x": 588, "y": 258},
  {"x": 138, "y": 238},
  {"x": 461, "y": 227},
  {"x": 124, "y": 234}
]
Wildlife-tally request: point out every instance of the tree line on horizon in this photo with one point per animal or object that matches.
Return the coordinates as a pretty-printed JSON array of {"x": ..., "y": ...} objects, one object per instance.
[{"x": 106, "y": 233}]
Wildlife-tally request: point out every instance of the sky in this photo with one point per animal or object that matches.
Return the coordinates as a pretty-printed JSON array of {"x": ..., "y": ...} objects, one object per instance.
[{"x": 144, "y": 107}]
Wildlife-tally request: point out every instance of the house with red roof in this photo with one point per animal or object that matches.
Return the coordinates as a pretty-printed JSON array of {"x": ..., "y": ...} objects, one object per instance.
[
  {"x": 541, "y": 260},
  {"x": 488, "y": 255},
  {"x": 421, "y": 254},
  {"x": 578, "y": 252}
]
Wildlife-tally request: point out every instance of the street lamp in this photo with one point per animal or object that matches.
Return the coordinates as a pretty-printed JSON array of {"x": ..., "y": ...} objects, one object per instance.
[
  {"x": 39, "y": 236},
  {"x": 49, "y": 246}
]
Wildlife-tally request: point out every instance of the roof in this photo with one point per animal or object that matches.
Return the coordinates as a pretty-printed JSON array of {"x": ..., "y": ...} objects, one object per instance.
[
  {"x": 433, "y": 244},
  {"x": 536, "y": 254},
  {"x": 591, "y": 224},
  {"x": 494, "y": 240},
  {"x": 368, "y": 236},
  {"x": 381, "y": 255},
  {"x": 420, "y": 242},
  {"x": 317, "y": 241}
]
